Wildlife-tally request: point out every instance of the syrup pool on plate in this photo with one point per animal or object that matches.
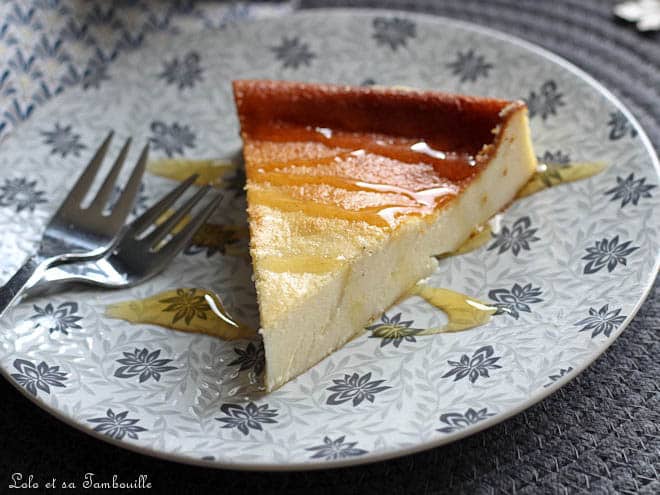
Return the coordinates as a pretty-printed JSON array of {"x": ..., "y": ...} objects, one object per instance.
[{"x": 186, "y": 309}]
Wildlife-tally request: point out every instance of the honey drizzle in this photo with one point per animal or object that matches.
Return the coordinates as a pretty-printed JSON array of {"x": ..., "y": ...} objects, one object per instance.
[
  {"x": 427, "y": 197},
  {"x": 453, "y": 165},
  {"x": 336, "y": 155},
  {"x": 376, "y": 215},
  {"x": 463, "y": 311},
  {"x": 225, "y": 238},
  {"x": 553, "y": 174},
  {"x": 450, "y": 166},
  {"x": 185, "y": 309},
  {"x": 210, "y": 171},
  {"x": 300, "y": 264}
]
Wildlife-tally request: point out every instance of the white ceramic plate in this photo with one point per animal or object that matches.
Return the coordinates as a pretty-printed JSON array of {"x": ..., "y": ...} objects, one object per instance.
[{"x": 572, "y": 264}]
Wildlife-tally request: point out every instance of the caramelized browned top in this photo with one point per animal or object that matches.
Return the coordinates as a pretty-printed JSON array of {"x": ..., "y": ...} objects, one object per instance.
[{"x": 370, "y": 154}]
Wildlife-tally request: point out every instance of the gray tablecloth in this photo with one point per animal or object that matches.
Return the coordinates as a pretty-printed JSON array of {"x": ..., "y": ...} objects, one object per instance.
[{"x": 599, "y": 434}]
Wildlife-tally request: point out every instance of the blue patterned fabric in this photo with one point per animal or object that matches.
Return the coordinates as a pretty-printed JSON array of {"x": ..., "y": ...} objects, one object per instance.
[{"x": 49, "y": 46}]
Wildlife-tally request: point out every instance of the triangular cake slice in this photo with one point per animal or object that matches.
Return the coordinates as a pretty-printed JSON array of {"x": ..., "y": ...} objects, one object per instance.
[{"x": 351, "y": 192}]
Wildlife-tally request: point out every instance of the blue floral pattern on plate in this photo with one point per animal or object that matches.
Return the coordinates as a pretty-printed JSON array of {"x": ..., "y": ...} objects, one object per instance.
[
  {"x": 117, "y": 425},
  {"x": 21, "y": 194},
  {"x": 355, "y": 389},
  {"x": 144, "y": 364},
  {"x": 474, "y": 367},
  {"x": 458, "y": 421},
  {"x": 250, "y": 417},
  {"x": 35, "y": 377},
  {"x": 469, "y": 66},
  {"x": 338, "y": 448}
]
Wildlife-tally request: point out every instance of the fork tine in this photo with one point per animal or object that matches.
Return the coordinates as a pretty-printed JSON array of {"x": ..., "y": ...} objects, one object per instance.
[
  {"x": 152, "y": 214},
  {"x": 85, "y": 180},
  {"x": 160, "y": 232},
  {"x": 179, "y": 240},
  {"x": 109, "y": 183},
  {"x": 124, "y": 204}
]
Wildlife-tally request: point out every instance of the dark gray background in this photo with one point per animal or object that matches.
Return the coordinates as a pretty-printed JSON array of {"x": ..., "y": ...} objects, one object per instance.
[{"x": 599, "y": 434}]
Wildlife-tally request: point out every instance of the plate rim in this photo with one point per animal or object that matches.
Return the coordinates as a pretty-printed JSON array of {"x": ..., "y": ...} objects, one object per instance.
[{"x": 375, "y": 457}]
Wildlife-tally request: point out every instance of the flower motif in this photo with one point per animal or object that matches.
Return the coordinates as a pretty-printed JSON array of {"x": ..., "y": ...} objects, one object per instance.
[
  {"x": 393, "y": 32},
  {"x": 393, "y": 330},
  {"x": 557, "y": 157},
  {"x": 172, "y": 139},
  {"x": 57, "y": 320},
  {"x": 369, "y": 81},
  {"x": 252, "y": 357},
  {"x": 553, "y": 163},
  {"x": 601, "y": 321},
  {"x": 561, "y": 374},
  {"x": 474, "y": 367},
  {"x": 187, "y": 305},
  {"x": 184, "y": 73},
  {"x": 143, "y": 363},
  {"x": 356, "y": 388},
  {"x": 215, "y": 238},
  {"x": 458, "y": 421},
  {"x": 516, "y": 300},
  {"x": 63, "y": 141},
  {"x": 40, "y": 376},
  {"x": 248, "y": 417},
  {"x": 335, "y": 449},
  {"x": 630, "y": 190},
  {"x": 21, "y": 194},
  {"x": 607, "y": 253},
  {"x": 546, "y": 101},
  {"x": 293, "y": 53},
  {"x": 469, "y": 66},
  {"x": 516, "y": 239},
  {"x": 620, "y": 126},
  {"x": 117, "y": 425}
]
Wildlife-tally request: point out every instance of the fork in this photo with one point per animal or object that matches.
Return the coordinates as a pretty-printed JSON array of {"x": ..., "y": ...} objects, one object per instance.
[
  {"x": 76, "y": 233},
  {"x": 141, "y": 253}
]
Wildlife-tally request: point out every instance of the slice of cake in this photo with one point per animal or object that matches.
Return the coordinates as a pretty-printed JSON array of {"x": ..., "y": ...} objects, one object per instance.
[{"x": 351, "y": 192}]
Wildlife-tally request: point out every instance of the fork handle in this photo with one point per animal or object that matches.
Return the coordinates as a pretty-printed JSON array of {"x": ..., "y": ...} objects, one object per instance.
[{"x": 26, "y": 276}]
